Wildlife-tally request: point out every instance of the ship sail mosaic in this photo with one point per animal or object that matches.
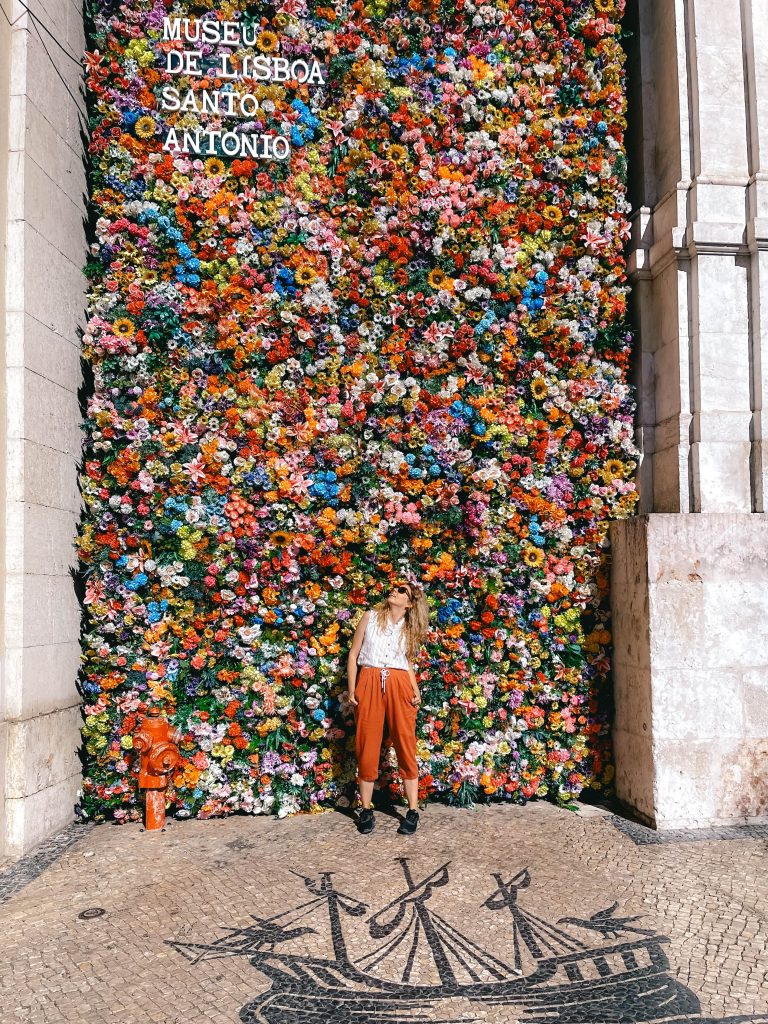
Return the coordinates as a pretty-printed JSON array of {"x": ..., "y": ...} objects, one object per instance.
[
  {"x": 426, "y": 970},
  {"x": 398, "y": 352}
]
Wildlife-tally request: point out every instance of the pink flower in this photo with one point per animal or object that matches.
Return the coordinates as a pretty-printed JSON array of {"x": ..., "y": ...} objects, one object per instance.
[{"x": 196, "y": 469}]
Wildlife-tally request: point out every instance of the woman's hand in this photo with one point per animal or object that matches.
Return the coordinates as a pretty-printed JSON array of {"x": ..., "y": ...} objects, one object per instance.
[
  {"x": 416, "y": 699},
  {"x": 352, "y": 698}
]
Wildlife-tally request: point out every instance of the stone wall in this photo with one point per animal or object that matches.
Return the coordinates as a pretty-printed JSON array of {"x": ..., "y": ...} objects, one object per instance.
[
  {"x": 690, "y": 587},
  {"x": 42, "y": 205},
  {"x": 691, "y": 727}
]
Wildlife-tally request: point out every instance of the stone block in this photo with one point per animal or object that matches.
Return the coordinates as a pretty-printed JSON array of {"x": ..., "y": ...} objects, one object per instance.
[
  {"x": 43, "y": 752},
  {"x": 721, "y": 473},
  {"x": 669, "y": 307},
  {"x": 719, "y": 74},
  {"x": 46, "y": 89},
  {"x": 60, "y": 305},
  {"x": 743, "y": 781},
  {"x": 32, "y": 819},
  {"x": 728, "y": 427},
  {"x": 661, "y": 45},
  {"x": 51, "y": 356},
  {"x": 686, "y": 784},
  {"x": 700, "y": 611},
  {"x": 45, "y": 676},
  {"x": 633, "y": 698},
  {"x": 52, "y": 213},
  {"x": 47, "y": 145},
  {"x": 15, "y": 201},
  {"x": 719, "y": 218},
  {"x": 51, "y": 613},
  {"x": 75, "y": 30},
  {"x": 723, "y": 377},
  {"x": 668, "y": 402},
  {"x": 690, "y": 703},
  {"x": 670, "y": 480},
  {"x": 51, "y": 415},
  {"x": 723, "y": 282},
  {"x": 14, "y": 360},
  {"x": 735, "y": 614},
  {"x": 633, "y": 755},
  {"x": 17, "y": 85},
  {"x": 15, "y": 238},
  {"x": 760, "y": 31},
  {"x": 49, "y": 540},
  {"x": 754, "y": 689},
  {"x": 50, "y": 477}
]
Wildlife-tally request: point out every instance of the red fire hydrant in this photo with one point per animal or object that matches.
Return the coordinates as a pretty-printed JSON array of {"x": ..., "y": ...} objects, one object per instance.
[{"x": 156, "y": 742}]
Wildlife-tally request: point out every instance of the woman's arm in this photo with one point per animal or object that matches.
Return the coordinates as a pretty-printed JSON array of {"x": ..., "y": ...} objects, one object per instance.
[
  {"x": 354, "y": 650},
  {"x": 416, "y": 699}
]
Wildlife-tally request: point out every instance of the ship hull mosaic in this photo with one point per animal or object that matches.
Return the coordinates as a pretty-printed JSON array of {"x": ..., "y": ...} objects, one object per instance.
[{"x": 555, "y": 974}]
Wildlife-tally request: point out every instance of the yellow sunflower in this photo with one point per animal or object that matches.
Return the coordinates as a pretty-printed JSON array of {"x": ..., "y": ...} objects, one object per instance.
[
  {"x": 305, "y": 275},
  {"x": 123, "y": 327},
  {"x": 539, "y": 388},
  {"x": 280, "y": 537},
  {"x": 553, "y": 213},
  {"x": 437, "y": 278},
  {"x": 612, "y": 470},
  {"x": 533, "y": 557},
  {"x": 145, "y": 127},
  {"x": 397, "y": 154},
  {"x": 267, "y": 41},
  {"x": 214, "y": 166}
]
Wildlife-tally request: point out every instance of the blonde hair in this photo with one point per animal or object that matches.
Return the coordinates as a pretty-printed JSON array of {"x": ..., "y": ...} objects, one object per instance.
[{"x": 416, "y": 625}]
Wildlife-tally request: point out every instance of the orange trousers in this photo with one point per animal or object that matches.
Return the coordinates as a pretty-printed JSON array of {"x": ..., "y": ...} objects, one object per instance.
[{"x": 377, "y": 703}]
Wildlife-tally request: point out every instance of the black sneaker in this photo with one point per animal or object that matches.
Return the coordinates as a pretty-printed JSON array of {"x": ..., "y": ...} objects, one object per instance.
[
  {"x": 409, "y": 824},
  {"x": 366, "y": 821}
]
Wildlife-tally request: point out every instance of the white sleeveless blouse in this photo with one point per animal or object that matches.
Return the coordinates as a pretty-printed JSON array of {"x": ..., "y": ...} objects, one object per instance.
[{"x": 383, "y": 648}]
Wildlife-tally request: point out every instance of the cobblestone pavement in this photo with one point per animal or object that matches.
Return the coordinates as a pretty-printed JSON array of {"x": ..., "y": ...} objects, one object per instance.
[{"x": 508, "y": 914}]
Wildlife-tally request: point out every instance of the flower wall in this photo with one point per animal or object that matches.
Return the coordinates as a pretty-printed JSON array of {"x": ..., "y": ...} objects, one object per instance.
[{"x": 399, "y": 353}]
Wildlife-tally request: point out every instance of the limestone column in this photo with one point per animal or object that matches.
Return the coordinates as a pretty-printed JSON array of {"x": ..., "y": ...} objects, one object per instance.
[
  {"x": 690, "y": 574},
  {"x": 42, "y": 301}
]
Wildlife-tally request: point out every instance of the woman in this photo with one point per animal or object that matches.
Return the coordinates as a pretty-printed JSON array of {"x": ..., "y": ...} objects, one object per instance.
[{"x": 385, "y": 645}]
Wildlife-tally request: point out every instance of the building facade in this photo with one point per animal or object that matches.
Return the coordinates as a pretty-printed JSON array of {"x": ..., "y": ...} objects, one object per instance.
[
  {"x": 690, "y": 573},
  {"x": 42, "y": 300}
]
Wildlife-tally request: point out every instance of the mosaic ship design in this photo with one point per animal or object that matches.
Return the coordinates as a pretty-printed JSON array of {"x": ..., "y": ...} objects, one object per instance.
[{"x": 555, "y": 976}]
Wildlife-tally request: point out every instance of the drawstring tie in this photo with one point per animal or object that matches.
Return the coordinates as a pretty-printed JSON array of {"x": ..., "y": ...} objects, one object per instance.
[{"x": 384, "y": 674}]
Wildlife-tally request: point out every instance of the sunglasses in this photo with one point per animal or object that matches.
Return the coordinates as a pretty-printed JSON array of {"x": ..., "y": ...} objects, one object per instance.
[{"x": 403, "y": 590}]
